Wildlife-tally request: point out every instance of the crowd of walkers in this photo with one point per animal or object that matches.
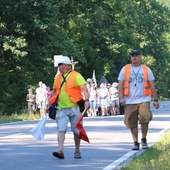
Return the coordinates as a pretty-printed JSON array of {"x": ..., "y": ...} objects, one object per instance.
[{"x": 104, "y": 99}]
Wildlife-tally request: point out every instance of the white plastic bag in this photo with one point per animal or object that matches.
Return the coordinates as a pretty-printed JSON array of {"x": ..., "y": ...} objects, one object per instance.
[{"x": 39, "y": 130}]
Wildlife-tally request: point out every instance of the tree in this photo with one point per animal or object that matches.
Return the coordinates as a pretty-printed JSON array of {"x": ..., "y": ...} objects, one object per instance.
[{"x": 98, "y": 34}]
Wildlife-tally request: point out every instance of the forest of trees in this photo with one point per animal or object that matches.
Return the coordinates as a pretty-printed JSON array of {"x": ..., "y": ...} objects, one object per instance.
[{"x": 99, "y": 34}]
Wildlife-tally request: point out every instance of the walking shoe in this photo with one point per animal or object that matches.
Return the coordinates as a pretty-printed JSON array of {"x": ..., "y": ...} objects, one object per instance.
[
  {"x": 136, "y": 146},
  {"x": 144, "y": 143},
  {"x": 77, "y": 155},
  {"x": 59, "y": 154}
]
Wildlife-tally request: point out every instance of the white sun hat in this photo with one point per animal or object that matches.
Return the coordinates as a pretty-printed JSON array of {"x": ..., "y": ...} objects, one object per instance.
[{"x": 64, "y": 60}]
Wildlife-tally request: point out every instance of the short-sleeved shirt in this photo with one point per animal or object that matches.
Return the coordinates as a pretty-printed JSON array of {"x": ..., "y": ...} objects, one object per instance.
[
  {"x": 114, "y": 93},
  {"x": 93, "y": 94},
  {"x": 41, "y": 94},
  {"x": 64, "y": 100},
  {"x": 103, "y": 92},
  {"x": 30, "y": 97},
  {"x": 136, "y": 90}
]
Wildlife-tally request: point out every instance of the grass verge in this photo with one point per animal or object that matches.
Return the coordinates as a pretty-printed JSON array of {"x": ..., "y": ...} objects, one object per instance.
[
  {"x": 155, "y": 158},
  {"x": 17, "y": 117}
]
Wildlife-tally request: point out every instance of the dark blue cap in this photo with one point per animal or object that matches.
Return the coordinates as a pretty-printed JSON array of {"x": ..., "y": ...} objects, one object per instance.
[{"x": 135, "y": 52}]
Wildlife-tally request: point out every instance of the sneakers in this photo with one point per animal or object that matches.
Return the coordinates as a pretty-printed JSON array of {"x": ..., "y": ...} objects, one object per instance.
[
  {"x": 144, "y": 143},
  {"x": 59, "y": 154},
  {"x": 77, "y": 155},
  {"x": 136, "y": 146}
]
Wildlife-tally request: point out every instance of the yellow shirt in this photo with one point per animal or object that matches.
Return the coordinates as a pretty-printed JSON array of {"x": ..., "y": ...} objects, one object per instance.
[{"x": 64, "y": 100}]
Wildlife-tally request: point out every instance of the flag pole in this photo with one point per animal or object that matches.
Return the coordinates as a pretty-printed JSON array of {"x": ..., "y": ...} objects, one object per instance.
[
  {"x": 84, "y": 111},
  {"x": 94, "y": 77}
]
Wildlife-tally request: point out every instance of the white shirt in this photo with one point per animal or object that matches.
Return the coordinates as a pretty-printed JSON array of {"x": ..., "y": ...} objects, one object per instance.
[
  {"x": 41, "y": 94},
  {"x": 103, "y": 92},
  {"x": 114, "y": 93},
  {"x": 136, "y": 90}
]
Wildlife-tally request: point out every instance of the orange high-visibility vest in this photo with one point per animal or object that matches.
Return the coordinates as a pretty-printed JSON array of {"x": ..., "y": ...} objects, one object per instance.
[
  {"x": 73, "y": 91},
  {"x": 126, "y": 82}
]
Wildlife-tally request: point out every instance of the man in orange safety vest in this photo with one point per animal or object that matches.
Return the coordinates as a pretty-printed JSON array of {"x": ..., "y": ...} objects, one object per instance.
[{"x": 136, "y": 89}]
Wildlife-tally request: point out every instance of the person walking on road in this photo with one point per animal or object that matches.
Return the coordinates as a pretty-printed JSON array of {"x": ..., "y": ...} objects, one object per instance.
[
  {"x": 103, "y": 95},
  {"x": 30, "y": 98},
  {"x": 93, "y": 98},
  {"x": 41, "y": 98},
  {"x": 69, "y": 87},
  {"x": 136, "y": 88},
  {"x": 114, "y": 98}
]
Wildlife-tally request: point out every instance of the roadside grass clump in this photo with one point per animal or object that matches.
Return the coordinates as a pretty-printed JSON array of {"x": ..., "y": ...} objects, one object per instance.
[
  {"x": 18, "y": 117},
  {"x": 155, "y": 158}
]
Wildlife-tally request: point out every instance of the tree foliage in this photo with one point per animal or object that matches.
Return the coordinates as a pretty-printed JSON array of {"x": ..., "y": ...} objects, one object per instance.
[{"x": 97, "y": 34}]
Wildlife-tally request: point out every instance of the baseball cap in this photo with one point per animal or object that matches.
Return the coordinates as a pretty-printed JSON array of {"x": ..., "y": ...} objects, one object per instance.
[
  {"x": 89, "y": 80},
  {"x": 115, "y": 84},
  {"x": 64, "y": 60},
  {"x": 135, "y": 52}
]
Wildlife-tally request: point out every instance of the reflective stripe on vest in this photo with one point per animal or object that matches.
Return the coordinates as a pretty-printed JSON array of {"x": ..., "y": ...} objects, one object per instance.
[{"x": 126, "y": 82}]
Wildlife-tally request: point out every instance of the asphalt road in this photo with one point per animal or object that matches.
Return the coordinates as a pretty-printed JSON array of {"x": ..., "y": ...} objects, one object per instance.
[{"x": 109, "y": 148}]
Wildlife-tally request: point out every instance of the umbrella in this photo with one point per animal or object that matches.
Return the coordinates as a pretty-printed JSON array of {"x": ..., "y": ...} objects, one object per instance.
[
  {"x": 38, "y": 131},
  {"x": 82, "y": 133}
]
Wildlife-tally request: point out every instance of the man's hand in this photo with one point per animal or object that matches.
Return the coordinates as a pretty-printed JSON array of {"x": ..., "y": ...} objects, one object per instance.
[
  {"x": 87, "y": 104},
  {"x": 156, "y": 104},
  {"x": 122, "y": 102}
]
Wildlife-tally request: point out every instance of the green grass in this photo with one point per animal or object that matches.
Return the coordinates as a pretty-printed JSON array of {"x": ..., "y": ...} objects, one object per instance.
[
  {"x": 17, "y": 117},
  {"x": 155, "y": 158}
]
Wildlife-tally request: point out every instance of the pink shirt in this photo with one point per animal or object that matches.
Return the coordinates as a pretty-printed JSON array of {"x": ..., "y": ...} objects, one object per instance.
[{"x": 93, "y": 94}]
